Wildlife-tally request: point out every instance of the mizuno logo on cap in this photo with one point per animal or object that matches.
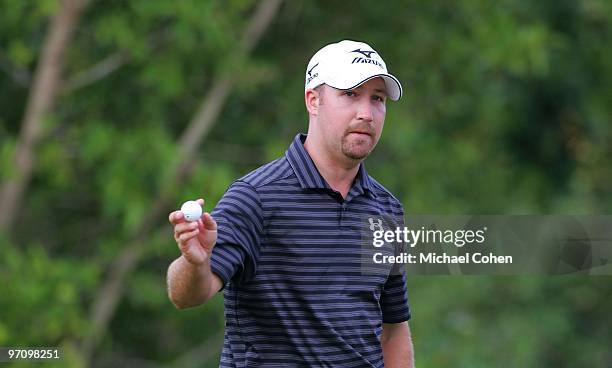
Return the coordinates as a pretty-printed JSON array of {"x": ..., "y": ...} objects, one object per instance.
[
  {"x": 365, "y": 53},
  {"x": 314, "y": 66},
  {"x": 310, "y": 75},
  {"x": 366, "y": 61},
  {"x": 310, "y": 78}
]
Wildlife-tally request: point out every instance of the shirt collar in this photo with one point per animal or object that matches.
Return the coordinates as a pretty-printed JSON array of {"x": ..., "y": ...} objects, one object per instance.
[
  {"x": 364, "y": 180},
  {"x": 308, "y": 175}
]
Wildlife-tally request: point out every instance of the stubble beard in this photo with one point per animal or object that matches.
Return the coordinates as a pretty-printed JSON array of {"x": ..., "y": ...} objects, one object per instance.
[{"x": 357, "y": 148}]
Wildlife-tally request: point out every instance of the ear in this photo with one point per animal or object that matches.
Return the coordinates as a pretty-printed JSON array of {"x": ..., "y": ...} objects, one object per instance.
[{"x": 312, "y": 100}]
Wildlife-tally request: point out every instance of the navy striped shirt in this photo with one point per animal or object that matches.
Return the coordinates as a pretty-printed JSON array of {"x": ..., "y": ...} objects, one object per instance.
[{"x": 288, "y": 253}]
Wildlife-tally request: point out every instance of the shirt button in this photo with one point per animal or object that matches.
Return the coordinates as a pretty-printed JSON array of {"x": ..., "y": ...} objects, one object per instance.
[{"x": 344, "y": 207}]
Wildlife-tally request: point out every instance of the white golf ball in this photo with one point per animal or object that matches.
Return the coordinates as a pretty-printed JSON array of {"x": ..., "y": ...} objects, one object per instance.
[{"x": 191, "y": 210}]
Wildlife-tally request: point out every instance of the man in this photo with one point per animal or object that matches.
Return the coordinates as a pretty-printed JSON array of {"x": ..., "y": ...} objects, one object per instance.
[{"x": 284, "y": 240}]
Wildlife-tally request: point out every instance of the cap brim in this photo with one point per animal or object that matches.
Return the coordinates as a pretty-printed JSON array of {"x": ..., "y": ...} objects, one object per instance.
[{"x": 392, "y": 85}]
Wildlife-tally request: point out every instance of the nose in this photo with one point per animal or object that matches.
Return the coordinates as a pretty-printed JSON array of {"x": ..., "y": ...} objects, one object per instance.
[{"x": 364, "y": 111}]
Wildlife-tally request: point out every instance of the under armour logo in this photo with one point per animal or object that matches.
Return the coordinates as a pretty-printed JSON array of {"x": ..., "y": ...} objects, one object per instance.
[
  {"x": 365, "y": 53},
  {"x": 314, "y": 66},
  {"x": 373, "y": 225}
]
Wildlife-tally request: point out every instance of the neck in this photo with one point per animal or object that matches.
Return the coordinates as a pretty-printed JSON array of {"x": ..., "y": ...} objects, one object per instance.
[{"x": 339, "y": 176}]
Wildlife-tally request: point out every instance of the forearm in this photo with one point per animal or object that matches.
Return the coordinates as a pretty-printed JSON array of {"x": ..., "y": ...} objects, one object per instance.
[
  {"x": 397, "y": 346},
  {"x": 189, "y": 285}
]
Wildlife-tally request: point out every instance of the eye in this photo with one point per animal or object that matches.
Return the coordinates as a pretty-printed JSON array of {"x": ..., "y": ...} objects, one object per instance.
[
  {"x": 378, "y": 98},
  {"x": 350, "y": 93}
]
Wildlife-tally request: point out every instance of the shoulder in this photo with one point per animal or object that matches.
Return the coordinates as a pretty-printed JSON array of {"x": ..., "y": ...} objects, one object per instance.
[
  {"x": 249, "y": 185},
  {"x": 386, "y": 198},
  {"x": 271, "y": 172},
  {"x": 243, "y": 195}
]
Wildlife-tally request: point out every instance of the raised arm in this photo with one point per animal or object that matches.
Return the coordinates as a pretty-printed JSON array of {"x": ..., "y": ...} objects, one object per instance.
[{"x": 190, "y": 279}]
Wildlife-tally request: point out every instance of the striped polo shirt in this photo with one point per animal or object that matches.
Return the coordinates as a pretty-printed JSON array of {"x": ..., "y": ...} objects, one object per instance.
[{"x": 288, "y": 253}]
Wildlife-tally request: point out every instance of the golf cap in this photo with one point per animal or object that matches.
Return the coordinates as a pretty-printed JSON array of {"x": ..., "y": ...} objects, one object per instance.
[{"x": 347, "y": 65}]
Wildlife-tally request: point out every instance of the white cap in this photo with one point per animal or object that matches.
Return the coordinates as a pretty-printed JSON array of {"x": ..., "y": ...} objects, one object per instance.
[{"x": 348, "y": 64}]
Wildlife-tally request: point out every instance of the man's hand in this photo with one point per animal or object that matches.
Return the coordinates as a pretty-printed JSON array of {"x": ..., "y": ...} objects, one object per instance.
[
  {"x": 196, "y": 239},
  {"x": 190, "y": 279}
]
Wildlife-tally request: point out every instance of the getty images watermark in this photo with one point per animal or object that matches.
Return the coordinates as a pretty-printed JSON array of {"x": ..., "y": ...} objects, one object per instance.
[{"x": 488, "y": 245}]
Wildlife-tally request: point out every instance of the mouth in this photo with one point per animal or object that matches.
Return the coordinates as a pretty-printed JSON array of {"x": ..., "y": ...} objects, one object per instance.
[{"x": 360, "y": 132}]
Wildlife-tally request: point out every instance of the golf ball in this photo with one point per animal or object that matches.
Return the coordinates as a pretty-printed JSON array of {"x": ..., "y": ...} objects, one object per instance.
[{"x": 191, "y": 210}]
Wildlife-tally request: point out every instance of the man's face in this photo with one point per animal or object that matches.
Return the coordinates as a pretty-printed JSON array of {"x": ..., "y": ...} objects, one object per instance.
[{"x": 351, "y": 121}]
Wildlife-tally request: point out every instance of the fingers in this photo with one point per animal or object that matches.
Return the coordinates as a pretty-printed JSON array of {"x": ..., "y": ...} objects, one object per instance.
[
  {"x": 201, "y": 224},
  {"x": 208, "y": 222},
  {"x": 176, "y": 217},
  {"x": 185, "y": 231},
  {"x": 208, "y": 232},
  {"x": 185, "y": 226},
  {"x": 185, "y": 237}
]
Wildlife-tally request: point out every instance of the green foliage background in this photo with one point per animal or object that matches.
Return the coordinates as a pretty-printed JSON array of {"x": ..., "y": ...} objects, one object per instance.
[{"x": 506, "y": 110}]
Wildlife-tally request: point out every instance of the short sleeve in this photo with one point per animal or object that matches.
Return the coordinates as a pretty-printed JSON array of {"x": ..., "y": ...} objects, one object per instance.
[
  {"x": 239, "y": 227},
  {"x": 394, "y": 298}
]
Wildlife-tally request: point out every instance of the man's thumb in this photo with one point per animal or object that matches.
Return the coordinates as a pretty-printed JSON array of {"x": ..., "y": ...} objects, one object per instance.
[{"x": 208, "y": 222}]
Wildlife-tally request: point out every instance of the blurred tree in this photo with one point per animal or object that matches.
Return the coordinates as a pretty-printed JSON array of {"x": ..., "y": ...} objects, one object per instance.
[
  {"x": 40, "y": 104},
  {"x": 507, "y": 110}
]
